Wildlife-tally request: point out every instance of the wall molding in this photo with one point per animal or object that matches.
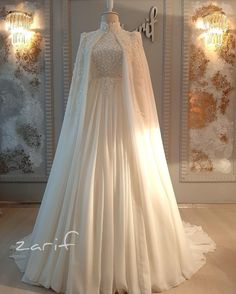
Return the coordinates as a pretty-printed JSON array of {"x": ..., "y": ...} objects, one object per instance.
[
  {"x": 49, "y": 110},
  {"x": 36, "y": 204},
  {"x": 67, "y": 48},
  {"x": 184, "y": 93},
  {"x": 167, "y": 80}
]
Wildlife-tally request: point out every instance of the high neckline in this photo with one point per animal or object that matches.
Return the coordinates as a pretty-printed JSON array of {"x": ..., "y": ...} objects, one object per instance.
[{"x": 112, "y": 26}]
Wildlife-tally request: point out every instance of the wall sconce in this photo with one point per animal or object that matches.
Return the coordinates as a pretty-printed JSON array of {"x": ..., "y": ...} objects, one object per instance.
[
  {"x": 215, "y": 25},
  {"x": 18, "y": 23}
]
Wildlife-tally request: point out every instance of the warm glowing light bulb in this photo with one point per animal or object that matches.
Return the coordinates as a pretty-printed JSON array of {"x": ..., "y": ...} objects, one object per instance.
[
  {"x": 18, "y": 23},
  {"x": 215, "y": 25},
  {"x": 200, "y": 24}
]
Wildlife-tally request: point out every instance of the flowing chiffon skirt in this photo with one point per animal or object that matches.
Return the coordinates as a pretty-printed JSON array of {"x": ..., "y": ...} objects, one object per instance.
[{"x": 116, "y": 193}]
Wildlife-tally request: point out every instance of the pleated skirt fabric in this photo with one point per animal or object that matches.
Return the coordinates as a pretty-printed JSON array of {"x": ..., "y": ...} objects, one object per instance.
[{"x": 118, "y": 204}]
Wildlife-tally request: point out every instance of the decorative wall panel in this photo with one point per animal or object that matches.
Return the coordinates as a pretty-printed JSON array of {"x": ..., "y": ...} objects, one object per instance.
[
  {"x": 26, "y": 148},
  {"x": 208, "y": 92}
]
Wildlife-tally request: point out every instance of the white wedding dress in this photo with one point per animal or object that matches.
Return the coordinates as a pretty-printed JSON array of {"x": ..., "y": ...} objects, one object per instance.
[{"x": 110, "y": 183}]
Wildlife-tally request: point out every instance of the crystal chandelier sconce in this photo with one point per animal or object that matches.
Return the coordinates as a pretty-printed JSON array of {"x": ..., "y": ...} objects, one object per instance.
[
  {"x": 215, "y": 25},
  {"x": 19, "y": 23}
]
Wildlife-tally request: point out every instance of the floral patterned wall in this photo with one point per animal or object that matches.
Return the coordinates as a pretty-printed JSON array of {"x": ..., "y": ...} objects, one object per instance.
[
  {"x": 22, "y": 98},
  {"x": 210, "y": 97}
]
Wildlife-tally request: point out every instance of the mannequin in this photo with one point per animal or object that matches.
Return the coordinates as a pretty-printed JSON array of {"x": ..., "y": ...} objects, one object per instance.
[{"x": 110, "y": 16}]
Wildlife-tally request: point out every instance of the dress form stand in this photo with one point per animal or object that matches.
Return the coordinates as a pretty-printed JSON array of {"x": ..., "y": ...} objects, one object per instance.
[{"x": 110, "y": 16}]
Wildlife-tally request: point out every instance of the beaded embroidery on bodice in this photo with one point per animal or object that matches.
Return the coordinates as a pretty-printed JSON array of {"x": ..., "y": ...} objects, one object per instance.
[{"x": 107, "y": 54}]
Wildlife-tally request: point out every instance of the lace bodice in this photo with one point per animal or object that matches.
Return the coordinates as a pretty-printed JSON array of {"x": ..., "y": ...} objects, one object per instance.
[{"x": 107, "y": 53}]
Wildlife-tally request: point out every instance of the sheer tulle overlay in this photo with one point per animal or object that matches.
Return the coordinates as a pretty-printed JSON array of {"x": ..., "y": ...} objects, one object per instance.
[{"x": 111, "y": 186}]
